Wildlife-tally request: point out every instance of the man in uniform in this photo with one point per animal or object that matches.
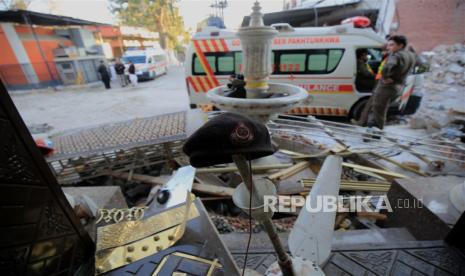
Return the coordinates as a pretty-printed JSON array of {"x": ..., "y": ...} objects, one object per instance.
[
  {"x": 104, "y": 75},
  {"x": 365, "y": 78},
  {"x": 119, "y": 68},
  {"x": 399, "y": 64}
]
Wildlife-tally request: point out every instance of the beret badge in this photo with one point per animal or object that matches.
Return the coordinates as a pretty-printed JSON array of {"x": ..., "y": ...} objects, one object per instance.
[{"x": 241, "y": 135}]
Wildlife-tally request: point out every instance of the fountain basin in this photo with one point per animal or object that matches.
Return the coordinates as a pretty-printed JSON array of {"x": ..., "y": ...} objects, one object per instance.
[{"x": 285, "y": 96}]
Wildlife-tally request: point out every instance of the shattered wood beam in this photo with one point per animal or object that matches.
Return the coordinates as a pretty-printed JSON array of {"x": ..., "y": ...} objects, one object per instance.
[
  {"x": 372, "y": 215},
  {"x": 204, "y": 178},
  {"x": 356, "y": 158},
  {"x": 234, "y": 168},
  {"x": 148, "y": 179},
  {"x": 351, "y": 185},
  {"x": 374, "y": 170},
  {"x": 372, "y": 174},
  {"x": 213, "y": 190},
  {"x": 288, "y": 172},
  {"x": 408, "y": 168},
  {"x": 409, "y": 150}
]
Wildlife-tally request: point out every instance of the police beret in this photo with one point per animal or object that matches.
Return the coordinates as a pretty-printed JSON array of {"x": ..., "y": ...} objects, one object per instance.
[{"x": 225, "y": 135}]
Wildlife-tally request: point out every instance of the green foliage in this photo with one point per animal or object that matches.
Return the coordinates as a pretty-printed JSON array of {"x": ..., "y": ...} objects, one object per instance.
[
  {"x": 160, "y": 16},
  {"x": 16, "y": 4}
]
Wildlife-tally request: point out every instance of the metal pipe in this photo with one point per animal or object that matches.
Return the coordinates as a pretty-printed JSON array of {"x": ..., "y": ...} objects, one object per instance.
[
  {"x": 41, "y": 51},
  {"x": 284, "y": 261}
]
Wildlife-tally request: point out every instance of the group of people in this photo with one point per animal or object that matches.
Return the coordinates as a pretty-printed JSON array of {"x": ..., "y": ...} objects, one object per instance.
[
  {"x": 120, "y": 70},
  {"x": 388, "y": 82}
]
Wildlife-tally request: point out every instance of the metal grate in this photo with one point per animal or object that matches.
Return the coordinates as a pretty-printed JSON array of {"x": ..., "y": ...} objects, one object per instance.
[
  {"x": 122, "y": 146},
  {"x": 124, "y": 135}
]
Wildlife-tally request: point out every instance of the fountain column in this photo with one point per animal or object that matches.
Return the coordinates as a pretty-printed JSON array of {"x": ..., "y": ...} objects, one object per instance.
[{"x": 256, "y": 40}]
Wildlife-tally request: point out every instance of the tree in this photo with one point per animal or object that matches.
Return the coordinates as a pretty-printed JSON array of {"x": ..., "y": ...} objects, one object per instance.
[
  {"x": 160, "y": 16},
  {"x": 16, "y": 4}
]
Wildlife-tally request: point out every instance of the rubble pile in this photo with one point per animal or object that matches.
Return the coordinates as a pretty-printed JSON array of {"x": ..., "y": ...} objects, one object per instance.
[
  {"x": 447, "y": 64},
  {"x": 240, "y": 224}
]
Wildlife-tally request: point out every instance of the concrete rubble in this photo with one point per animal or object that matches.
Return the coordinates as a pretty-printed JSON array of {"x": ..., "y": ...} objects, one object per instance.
[{"x": 447, "y": 64}]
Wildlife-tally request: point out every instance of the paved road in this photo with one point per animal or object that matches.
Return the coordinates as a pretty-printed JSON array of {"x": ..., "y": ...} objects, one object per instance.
[{"x": 64, "y": 110}]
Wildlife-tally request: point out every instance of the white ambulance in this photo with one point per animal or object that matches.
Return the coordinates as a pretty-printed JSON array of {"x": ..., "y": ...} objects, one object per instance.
[
  {"x": 149, "y": 63},
  {"x": 321, "y": 59}
]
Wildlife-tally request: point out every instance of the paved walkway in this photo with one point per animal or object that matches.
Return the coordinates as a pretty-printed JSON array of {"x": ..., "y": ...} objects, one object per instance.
[{"x": 65, "y": 110}]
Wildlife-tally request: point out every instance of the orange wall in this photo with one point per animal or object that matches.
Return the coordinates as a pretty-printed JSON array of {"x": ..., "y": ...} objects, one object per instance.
[
  {"x": 38, "y": 62},
  {"x": 10, "y": 70},
  {"x": 12, "y": 73},
  {"x": 23, "y": 29},
  {"x": 47, "y": 46}
]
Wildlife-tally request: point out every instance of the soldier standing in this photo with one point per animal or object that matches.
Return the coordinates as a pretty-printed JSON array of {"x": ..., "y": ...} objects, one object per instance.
[
  {"x": 399, "y": 64},
  {"x": 119, "y": 68},
  {"x": 104, "y": 75}
]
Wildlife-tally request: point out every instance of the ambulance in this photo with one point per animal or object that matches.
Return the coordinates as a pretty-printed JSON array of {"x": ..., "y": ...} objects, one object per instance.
[
  {"x": 322, "y": 60},
  {"x": 149, "y": 63}
]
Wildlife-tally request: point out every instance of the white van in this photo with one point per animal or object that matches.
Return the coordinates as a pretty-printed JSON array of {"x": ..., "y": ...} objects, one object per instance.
[
  {"x": 149, "y": 63},
  {"x": 321, "y": 59}
]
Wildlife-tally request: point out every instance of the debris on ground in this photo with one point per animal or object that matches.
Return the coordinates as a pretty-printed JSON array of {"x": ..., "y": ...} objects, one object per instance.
[
  {"x": 368, "y": 168},
  {"x": 447, "y": 64}
]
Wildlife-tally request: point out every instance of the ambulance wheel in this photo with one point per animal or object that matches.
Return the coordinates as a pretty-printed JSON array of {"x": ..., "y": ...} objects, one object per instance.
[
  {"x": 193, "y": 106},
  {"x": 357, "y": 109}
]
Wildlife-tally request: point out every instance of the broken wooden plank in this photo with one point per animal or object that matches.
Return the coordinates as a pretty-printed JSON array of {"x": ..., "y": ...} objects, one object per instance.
[
  {"x": 213, "y": 190},
  {"x": 351, "y": 185},
  {"x": 369, "y": 169},
  {"x": 288, "y": 172},
  {"x": 372, "y": 174},
  {"x": 148, "y": 179},
  {"x": 372, "y": 215},
  {"x": 401, "y": 165},
  {"x": 203, "y": 178},
  {"x": 255, "y": 168}
]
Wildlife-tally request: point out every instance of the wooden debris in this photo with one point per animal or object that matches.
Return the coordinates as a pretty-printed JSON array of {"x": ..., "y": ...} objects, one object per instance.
[
  {"x": 409, "y": 166},
  {"x": 412, "y": 165},
  {"x": 148, "y": 179},
  {"x": 340, "y": 217},
  {"x": 288, "y": 172},
  {"x": 214, "y": 190},
  {"x": 234, "y": 168},
  {"x": 202, "y": 178},
  {"x": 409, "y": 150},
  {"x": 372, "y": 215},
  {"x": 369, "y": 169},
  {"x": 352, "y": 185},
  {"x": 372, "y": 174}
]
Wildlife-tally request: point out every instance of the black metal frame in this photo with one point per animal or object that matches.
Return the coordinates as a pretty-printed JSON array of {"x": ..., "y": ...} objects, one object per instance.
[{"x": 38, "y": 231}]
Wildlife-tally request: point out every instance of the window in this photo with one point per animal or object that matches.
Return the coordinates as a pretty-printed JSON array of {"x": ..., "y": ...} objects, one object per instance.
[
  {"x": 333, "y": 58},
  {"x": 317, "y": 62},
  {"x": 134, "y": 59},
  {"x": 198, "y": 68},
  {"x": 292, "y": 63},
  {"x": 314, "y": 61},
  {"x": 159, "y": 58},
  {"x": 226, "y": 64},
  {"x": 307, "y": 61},
  {"x": 238, "y": 65}
]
